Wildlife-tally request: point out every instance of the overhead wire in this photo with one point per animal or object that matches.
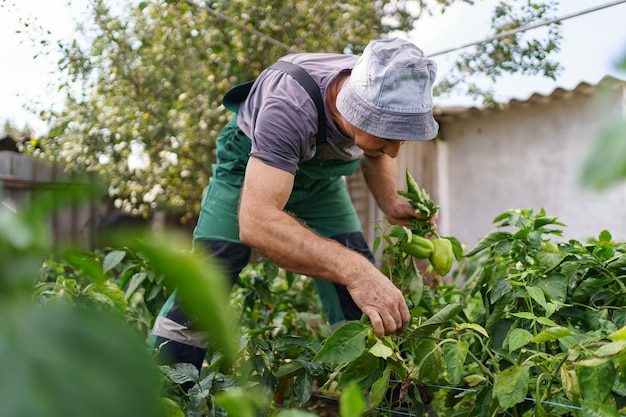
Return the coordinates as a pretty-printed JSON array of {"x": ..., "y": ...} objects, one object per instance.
[
  {"x": 512, "y": 32},
  {"x": 529, "y": 27},
  {"x": 242, "y": 26}
]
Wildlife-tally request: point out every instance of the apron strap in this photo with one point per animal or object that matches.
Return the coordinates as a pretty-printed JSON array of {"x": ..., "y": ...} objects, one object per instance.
[
  {"x": 306, "y": 81},
  {"x": 238, "y": 94}
]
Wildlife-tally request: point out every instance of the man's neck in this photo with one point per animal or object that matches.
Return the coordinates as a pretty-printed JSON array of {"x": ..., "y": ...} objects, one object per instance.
[{"x": 331, "y": 102}]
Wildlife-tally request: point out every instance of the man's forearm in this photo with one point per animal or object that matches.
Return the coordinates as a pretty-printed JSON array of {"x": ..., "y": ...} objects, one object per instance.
[
  {"x": 295, "y": 247},
  {"x": 381, "y": 176}
]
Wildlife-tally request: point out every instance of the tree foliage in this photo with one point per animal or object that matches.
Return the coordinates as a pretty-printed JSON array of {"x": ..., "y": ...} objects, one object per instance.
[{"x": 144, "y": 80}]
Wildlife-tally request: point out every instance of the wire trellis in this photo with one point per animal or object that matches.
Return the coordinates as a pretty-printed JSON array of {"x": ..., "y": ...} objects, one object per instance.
[{"x": 404, "y": 413}]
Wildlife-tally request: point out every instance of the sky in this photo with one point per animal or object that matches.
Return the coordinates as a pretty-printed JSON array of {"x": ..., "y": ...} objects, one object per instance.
[{"x": 592, "y": 46}]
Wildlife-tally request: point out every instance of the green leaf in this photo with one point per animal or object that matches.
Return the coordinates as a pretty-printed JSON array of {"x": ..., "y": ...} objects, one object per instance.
[
  {"x": 415, "y": 283},
  {"x": 59, "y": 360},
  {"x": 605, "y": 236},
  {"x": 474, "y": 380},
  {"x": 135, "y": 283},
  {"x": 546, "y": 321},
  {"x": 431, "y": 364},
  {"x": 473, "y": 326},
  {"x": 289, "y": 370},
  {"x": 605, "y": 165},
  {"x": 549, "y": 259},
  {"x": 345, "y": 344},
  {"x": 611, "y": 349},
  {"x": 291, "y": 412},
  {"x": 618, "y": 335},
  {"x": 518, "y": 338},
  {"x": 544, "y": 221},
  {"x": 112, "y": 259},
  {"x": 488, "y": 241},
  {"x": 351, "y": 402},
  {"x": 364, "y": 370},
  {"x": 501, "y": 288},
  {"x": 113, "y": 295},
  {"x": 597, "y": 409},
  {"x": 429, "y": 326},
  {"x": 551, "y": 333},
  {"x": 537, "y": 295},
  {"x": 181, "y": 372},
  {"x": 379, "y": 389},
  {"x": 454, "y": 356},
  {"x": 596, "y": 381},
  {"x": 555, "y": 286},
  {"x": 204, "y": 291},
  {"x": 380, "y": 350},
  {"x": 170, "y": 408},
  {"x": 457, "y": 248},
  {"x": 618, "y": 263},
  {"x": 511, "y": 386},
  {"x": 303, "y": 387},
  {"x": 237, "y": 402},
  {"x": 525, "y": 315}
]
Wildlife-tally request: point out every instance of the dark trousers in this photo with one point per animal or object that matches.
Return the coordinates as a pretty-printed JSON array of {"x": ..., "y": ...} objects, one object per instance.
[{"x": 234, "y": 257}]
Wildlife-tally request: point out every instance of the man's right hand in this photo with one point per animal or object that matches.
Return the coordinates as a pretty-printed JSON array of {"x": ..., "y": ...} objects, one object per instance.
[{"x": 382, "y": 302}]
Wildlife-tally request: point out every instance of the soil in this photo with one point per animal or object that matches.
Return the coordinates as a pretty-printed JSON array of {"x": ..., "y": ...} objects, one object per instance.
[{"x": 323, "y": 407}]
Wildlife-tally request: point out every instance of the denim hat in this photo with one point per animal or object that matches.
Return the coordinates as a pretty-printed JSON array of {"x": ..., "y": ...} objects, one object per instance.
[{"x": 389, "y": 92}]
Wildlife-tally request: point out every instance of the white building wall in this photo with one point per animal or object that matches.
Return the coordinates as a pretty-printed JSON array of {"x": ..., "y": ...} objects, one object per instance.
[{"x": 527, "y": 156}]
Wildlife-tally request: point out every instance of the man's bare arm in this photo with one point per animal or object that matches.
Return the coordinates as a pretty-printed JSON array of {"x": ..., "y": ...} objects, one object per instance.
[
  {"x": 382, "y": 179},
  {"x": 265, "y": 226}
]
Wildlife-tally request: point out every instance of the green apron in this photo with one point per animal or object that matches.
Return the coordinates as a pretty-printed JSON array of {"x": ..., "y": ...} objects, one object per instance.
[{"x": 319, "y": 198}]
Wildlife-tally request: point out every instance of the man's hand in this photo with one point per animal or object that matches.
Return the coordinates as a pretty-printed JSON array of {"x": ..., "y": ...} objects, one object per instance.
[
  {"x": 382, "y": 302},
  {"x": 400, "y": 211},
  {"x": 381, "y": 178}
]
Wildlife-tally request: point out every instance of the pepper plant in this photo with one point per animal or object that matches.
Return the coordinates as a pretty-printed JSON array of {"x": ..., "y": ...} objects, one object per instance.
[{"x": 537, "y": 329}]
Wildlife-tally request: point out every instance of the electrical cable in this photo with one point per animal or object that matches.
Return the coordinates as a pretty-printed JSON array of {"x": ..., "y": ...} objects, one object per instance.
[
  {"x": 442, "y": 52},
  {"x": 529, "y": 27},
  {"x": 242, "y": 26}
]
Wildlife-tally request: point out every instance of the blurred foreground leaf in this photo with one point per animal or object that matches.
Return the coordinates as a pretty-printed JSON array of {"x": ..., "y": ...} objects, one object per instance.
[
  {"x": 62, "y": 361},
  {"x": 201, "y": 285},
  {"x": 606, "y": 163}
]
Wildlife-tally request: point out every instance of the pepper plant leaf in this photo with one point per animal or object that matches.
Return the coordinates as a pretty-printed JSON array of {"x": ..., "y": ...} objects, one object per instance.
[
  {"x": 345, "y": 344},
  {"x": 518, "y": 338},
  {"x": 454, "y": 356},
  {"x": 379, "y": 388},
  {"x": 551, "y": 333},
  {"x": 596, "y": 409},
  {"x": 351, "y": 403},
  {"x": 611, "y": 349},
  {"x": 429, "y": 326},
  {"x": 618, "y": 335},
  {"x": 511, "y": 386},
  {"x": 596, "y": 381},
  {"x": 112, "y": 259},
  {"x": 488, "y": 241}
]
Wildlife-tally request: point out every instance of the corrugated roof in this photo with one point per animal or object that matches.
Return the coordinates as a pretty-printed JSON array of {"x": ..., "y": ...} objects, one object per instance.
[{"x": 559, "y": 93}]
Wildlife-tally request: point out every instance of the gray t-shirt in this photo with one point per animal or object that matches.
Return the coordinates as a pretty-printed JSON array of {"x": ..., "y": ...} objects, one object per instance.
[{"x": 280, "y": 117}]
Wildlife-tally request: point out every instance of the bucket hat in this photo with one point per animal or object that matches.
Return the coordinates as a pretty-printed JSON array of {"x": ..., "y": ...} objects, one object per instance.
[{"x": 389, "y": 92}]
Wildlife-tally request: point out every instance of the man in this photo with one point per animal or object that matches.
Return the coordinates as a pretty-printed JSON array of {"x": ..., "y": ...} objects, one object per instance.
[{"x": 278, "y": 187}]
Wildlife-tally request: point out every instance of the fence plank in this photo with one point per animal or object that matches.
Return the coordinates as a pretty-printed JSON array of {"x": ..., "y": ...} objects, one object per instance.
[{"x": 22, "y": 176}]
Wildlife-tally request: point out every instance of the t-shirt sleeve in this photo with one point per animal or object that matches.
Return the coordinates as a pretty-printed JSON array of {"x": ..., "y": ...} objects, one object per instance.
[{"x": 284, "y": 131}]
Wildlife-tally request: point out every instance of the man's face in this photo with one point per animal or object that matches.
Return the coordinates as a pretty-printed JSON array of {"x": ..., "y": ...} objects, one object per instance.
[{"x": 375, "y": 146}]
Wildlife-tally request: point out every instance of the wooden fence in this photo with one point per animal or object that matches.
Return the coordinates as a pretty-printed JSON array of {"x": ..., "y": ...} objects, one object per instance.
[{"x": 23, "y": 177}]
